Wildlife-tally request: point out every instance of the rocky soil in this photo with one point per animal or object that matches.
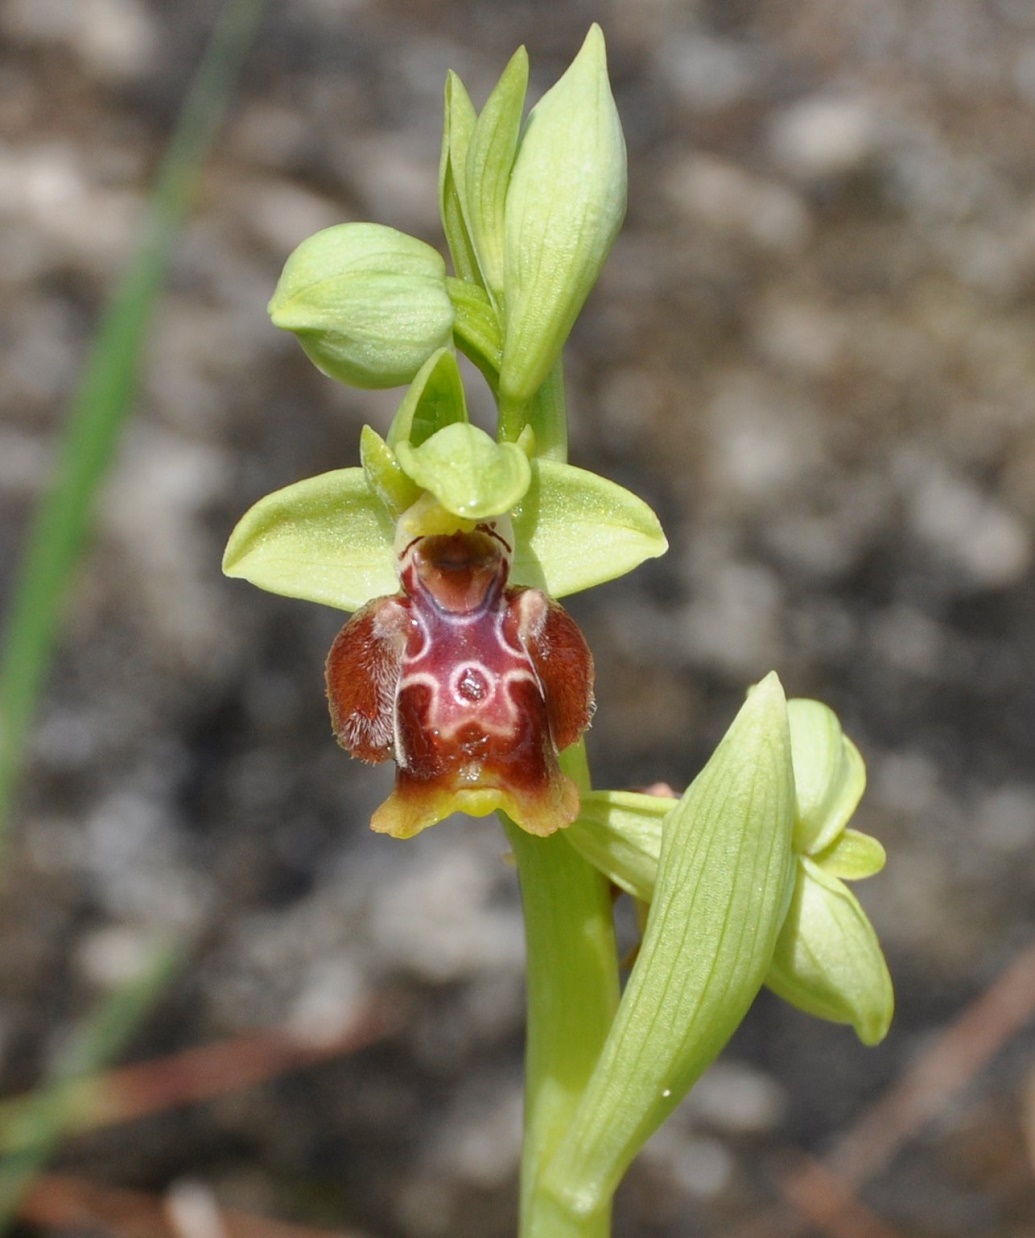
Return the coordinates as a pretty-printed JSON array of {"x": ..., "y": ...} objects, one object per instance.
[{"x": 811, "y": 351}]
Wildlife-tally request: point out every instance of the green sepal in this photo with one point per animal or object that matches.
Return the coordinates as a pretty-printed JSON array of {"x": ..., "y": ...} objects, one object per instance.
[
  {"x": 476, "y": 328},
  {"x": 828, "y": 961},
  {"x": 852, "y": 856},
  {"x": 469, "y": 473},
  {"x": 619, "y": 832},
  {"x": 565, "y": 204},
  {"x": 368, "y": 303},
  {"x": 385, "y": 474},
  {"x": 724, "y": 881},
  {"x": 433, "y": 400},
  {"x": 458, "y": 125},
  {"x": 574, "y": 530},
  {"x": 327, "y": 539},
  {"x": 829, "y": 774},
  {"x": 490, "y": 158}
]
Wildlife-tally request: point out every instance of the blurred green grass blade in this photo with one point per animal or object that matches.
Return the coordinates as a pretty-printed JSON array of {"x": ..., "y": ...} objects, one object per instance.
[
  {"x": 38, "y": 1128},
  {"x": 105, "y": 396}
]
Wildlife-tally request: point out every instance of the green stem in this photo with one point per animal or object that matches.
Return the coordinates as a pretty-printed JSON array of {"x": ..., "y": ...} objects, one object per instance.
[
  {"x": 572, "y": 996},
  {"x": 105, "y": 397},
  {"x": 546, "y": 413}
]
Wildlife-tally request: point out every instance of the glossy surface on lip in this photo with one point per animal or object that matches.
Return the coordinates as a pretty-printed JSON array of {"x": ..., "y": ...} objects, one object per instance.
[{"x": 471, "y": 686}]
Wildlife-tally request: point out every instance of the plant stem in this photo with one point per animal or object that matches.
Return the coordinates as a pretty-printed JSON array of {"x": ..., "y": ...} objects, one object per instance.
[{"x": 572, "y": 995}]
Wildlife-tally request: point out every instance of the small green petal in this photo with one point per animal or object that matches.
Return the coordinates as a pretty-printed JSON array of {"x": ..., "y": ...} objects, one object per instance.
[
  {"x": 326, "y": 539},
  {"x": 433, "y": 400},
  {"x": 471, "y": 475},
  {"x": 385, "y": 474},
  {"x": 828, "y": 961},
  {"x": 619, "y": 832},
  {"x": 852, "y": 856},
  {"x": 490, "y": 158},
  {"x": 723, "y": 885},
  {"x": 575, "y": 530},
  {"x": 829, "y": 775},
  {"x": 368, "y": 303}
]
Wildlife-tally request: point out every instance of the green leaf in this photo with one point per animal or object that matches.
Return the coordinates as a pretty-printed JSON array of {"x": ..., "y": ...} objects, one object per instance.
[
  {"x": 471, "y": 475},
  {"x": 619, "y": 832},
  {"x": 723, "y": 885},
  {"x": 575, "y": 530},
  {"x": 368, "y": 303},
  {"x": 490, "y": 158},
  {"x": 327, "y": 539},
  {"x": 852, "y": 856},
  {"x": 565, "y": 204},
  {"x": 384, "y": 473},
  {"x": 829, "y": 775},
  {"x": 434, "y": 399},
  {"x": 459, "y": 121},
  {"x": 828, "y": 961}
]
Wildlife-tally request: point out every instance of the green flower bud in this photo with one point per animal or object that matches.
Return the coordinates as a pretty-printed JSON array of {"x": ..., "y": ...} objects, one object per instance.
[
  {"x": 369, "y": 304},
  {"x": 565, "y": 204}
]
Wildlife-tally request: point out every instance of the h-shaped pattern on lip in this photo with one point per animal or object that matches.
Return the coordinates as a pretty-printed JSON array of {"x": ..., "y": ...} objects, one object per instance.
[{"x": 473, "y": 687}]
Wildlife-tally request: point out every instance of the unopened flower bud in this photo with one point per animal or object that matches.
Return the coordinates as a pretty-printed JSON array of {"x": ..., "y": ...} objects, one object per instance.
[{"x": 368, "y": 303}]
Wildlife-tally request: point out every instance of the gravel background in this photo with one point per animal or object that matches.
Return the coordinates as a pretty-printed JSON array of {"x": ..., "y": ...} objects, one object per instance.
[{"x": 811, "y": 351}]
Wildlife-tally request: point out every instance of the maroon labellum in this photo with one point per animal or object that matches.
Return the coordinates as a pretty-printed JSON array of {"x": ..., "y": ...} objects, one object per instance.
[{"x": 472, "y": 687}]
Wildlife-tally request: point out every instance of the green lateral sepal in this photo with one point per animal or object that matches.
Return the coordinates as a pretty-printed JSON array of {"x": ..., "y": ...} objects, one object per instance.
[
  {"x": 828, "y": 961},
  {"x": 575, "y": 530},
  {"x": 327, "y": 539}
]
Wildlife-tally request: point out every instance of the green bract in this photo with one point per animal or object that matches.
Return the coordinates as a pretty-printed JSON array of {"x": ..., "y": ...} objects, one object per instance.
[
  {"x": 724, "y": 877},
  {"x": 368, "y": 303},
  {"x": 565, "y": 204}
]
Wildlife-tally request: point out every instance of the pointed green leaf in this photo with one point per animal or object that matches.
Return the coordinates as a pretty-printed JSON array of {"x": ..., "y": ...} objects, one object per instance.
[
  {"x": 828, "y": 961},
  {"x": 828, "y": 772},
  {"x": 852, "y": 856},
  {"x": 471, "y": 475},
  {"x": 490, "y": 158},
  {"x": 384, "y": 473},
  {"x": 619, "y": 832},
  {"x": 575, "y": 530},
  {"x": 459, "y": 121},
  {"x": 723, "y": 885},
  {"x": 326, "y": 539},
  {"x": 433, "y": 400},
  {"x": 565, "y": 204}
]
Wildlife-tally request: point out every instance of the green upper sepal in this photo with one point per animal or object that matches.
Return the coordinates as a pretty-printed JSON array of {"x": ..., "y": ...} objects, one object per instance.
[
  {"x": 565, "y": 203},
  {"x": 723, "y": 883},
  {"x": 368, "y": 303}
]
